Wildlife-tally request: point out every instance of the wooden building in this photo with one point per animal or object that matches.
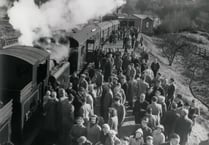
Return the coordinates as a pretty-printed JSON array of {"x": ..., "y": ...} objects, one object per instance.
[{"x": 144, "y": 23}]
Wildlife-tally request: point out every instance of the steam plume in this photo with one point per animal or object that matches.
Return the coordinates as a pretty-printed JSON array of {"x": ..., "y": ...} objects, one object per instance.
[
  {"x": 4, "y": 3},
  {"x": 33, "y": 21}
]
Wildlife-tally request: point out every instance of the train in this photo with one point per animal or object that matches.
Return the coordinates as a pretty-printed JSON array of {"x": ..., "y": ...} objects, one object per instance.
[{"x": 27, "y": 70}]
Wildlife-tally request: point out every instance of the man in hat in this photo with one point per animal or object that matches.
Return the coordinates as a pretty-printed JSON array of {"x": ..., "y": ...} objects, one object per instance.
[
  {"x": 77, "y": 130},
  {"x": 112, "y": 139},
  {"x": 65, "y": 114},
  {"x": 174, "y": 140},
  {"x": 169, "y": 120},
  {"x": 104, "y": 134},
  {"x": 170, "y": 93},
  {"x": 93, "y": 130},
  {"x": 149, "y": 140},
  {"x": 142, "y": 86},
  {"x": 145, "y": 128},
  {"x": 82, "y": 82},
  {"x": 156, "y": 108},
  {"x": 158, "y": 136},
  {"x": 131, "y": 92},
  {"x": 120, "y": 91},
  {"x": 138, "y": 138},
  {"x": 99, "y": 79},
  {"x": 140, "y": 108},
  {"x": 121, "y": 112},
  {"x": 74, "y": 80},
  {"x": 108, "y": 67},
  {"x": 183, "y": 127},
  {"x": 83, "y": 141},
  {"x": 152, "y": 119},
  {"x": 155, "y": 67},
  {"x": 86, "y": 111}
]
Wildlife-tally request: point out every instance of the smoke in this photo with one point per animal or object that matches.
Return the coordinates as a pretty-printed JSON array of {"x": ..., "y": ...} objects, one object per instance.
[
  {"x": 26, "y": 17},
  {"x": 33, "y": 21},
  {"x": 4, "y": 3}
]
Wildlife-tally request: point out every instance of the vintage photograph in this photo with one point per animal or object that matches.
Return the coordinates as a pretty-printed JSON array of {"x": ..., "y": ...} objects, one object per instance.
[{"x": 104, "y": 72}]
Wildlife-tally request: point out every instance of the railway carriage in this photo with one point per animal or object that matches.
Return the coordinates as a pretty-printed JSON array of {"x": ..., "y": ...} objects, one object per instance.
[
  {"x": 105, "y": 31},
  {"x": 27, "y": 72},
  {"x": 83, "y": 44},
  {"x": 24, "y": 79}
]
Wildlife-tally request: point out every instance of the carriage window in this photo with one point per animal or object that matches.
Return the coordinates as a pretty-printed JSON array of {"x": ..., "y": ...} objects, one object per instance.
[
  {"x": 147, "y": 24},
  {"x": 41, "y": 72}
]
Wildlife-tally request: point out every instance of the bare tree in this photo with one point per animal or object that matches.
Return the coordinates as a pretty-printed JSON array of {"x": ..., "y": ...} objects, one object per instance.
[{"x": 171, "y": 45}]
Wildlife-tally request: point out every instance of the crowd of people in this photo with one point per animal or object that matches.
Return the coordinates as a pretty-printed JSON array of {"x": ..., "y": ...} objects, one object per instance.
[{"x": 92, "y": 109}]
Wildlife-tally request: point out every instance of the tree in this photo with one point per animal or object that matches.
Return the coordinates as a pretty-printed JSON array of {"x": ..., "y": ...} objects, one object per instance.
[{"x": 171, "y": 45}]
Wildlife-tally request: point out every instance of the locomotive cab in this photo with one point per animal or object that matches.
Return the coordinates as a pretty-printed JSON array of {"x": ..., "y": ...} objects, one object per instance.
[{"x": 24, "y": 80}]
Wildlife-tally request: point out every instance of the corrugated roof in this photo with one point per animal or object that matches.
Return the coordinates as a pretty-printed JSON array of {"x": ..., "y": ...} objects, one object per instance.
[
  {"x": 105, "y": 25},
  {"x": 123, "y": 16},
  {"x": 115, "y": 22},
  {"x": 82, "y": 35},
  {"x": 29, "y": 54}
]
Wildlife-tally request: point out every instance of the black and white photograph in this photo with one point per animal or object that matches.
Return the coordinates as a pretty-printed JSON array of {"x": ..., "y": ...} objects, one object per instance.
[{"x": 104, "y": 72}]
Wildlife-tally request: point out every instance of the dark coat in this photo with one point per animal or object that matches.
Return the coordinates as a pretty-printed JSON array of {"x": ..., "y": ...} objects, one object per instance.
[
  {"x": 169, "y": 121},
  {"x": 139, "y": 110},
  {"x": 106, "y": 102},
  {"x": 183, "y": 128}
]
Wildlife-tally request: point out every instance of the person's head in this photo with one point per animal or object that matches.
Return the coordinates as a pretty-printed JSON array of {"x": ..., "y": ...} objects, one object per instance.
[
  {"x": 62, "y": 92},
  {"x": 110, "y": 55},
  {"x": 81, "y": 140},
  {"x": 132, "y": 64},
  {"x": 83, "y": 76},
  {"x": 93, "y": 119},
  {"x": 48, "y": 93},
  {"x": 117, "y": 98},
  {"x": 91, "y": 87},
  {"x": 82, "y": 91},
  {"x": 123, "y": 79},
  {"x": 174, "y": 106},
  {"x": 171, "y": 81},
  {"x": 174, "y": 139},
  {"x": 74, "y": 74},
  {"x": 138, "y": 133},
  {"x": 54, "y": 94},
  {"x": 160, "y": 128},
  {"x": 112, "y": 112},
  {"x": 112, "y": 133},
  {"x": 193, "y": 103},
  {"x": 142, "y": 97},
  {"x": 156, "y": 60},
  {"x": 186, "y": 105},
  {"x": 105, "y": 128},
  {"x": 157, "y": 93},
  {"x": 83, "y": 100},
  {"x": 70, "y": 85},
  {"x": 115, "y": 80},
  {"x": 149, "y": 140},
  {"x": 184, "y": 113},
  {"x": 79, "y": 121},
  {"x": 149, "y": 110},
  {"x": 144, "y": 121},
  {"x": 154, "y": 99},
  {"x": 158, "y": 83},
  {"x": 70, "y": 98}
]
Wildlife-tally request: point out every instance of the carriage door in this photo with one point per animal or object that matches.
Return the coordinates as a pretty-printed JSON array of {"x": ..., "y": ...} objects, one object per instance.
[{"x": 90, "y": 50}]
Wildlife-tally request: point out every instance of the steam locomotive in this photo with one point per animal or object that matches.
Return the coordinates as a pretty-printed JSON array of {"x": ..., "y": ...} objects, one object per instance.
[{"x": 26, "y": 72}]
